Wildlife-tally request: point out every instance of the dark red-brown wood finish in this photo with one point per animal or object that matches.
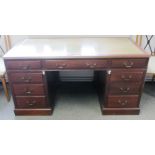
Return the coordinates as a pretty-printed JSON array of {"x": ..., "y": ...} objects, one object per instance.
[{"x": 119, "y": 89}]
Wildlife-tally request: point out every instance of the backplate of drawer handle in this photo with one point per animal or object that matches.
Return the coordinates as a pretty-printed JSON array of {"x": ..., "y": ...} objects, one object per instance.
[
  {"x": 123, "y": 103},
  {"x": 124, "y": 90},
  {"x": 128, "y": 65},
  {"x": 123, "y": 77}
]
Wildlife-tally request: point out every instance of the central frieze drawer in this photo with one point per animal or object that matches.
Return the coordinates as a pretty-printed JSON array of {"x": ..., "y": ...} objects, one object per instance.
[
  {"x": 129, "y": 63},
  {"x": 31, "y": 102},
  {"x": 28, "y": 89},
  {"x": 74, "y": 64},
  {"x": 126, "y": 76},
  {"x": 23, "y": 64},
  {"x": 121, "y": 88},
  {"x": 123, "y": 101},
  {"x": 26, "y": 77}
]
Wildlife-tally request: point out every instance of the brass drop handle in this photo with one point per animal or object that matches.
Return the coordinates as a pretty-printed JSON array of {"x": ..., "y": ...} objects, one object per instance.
[
  {"x": 123, "y": 103},
  {"x": 61, "y": 66},
  {"x": 28, "y": 92},
  {"x": 25, "y": 67},
  {"x": 91, "y": 65},
  {"x": 128, "y": 65},
  {"x": 31, "y": 103},
  {"x": 22, "y": 78},
  {"x": 28, "y": 79},
  {"x": 126, "y": 78},
  {"x": 124, "y": 90}
]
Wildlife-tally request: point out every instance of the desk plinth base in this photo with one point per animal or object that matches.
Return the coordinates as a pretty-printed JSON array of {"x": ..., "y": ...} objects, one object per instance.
[
  {"x": 120, "y": 111},
  {"x": 33, "y": 112}
]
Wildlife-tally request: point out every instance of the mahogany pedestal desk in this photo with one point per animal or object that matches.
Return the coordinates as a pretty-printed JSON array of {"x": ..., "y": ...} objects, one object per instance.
[{"x": 120, "y": 68}]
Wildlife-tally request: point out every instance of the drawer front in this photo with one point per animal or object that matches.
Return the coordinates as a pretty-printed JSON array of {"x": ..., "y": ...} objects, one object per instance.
[
  {"x": 23, "y": 65},
  {"x": 28, "y": 89},
  {"x": 26, "y": 77},
  {"x": 75, "y": 64},
  {"x": 126, "y": 76},
  {"x": 129, "y": 63},
  {"x": 31, "y": 102},
  {"x": 123, "y": 101},
  {"x": 121, "y": 88}
]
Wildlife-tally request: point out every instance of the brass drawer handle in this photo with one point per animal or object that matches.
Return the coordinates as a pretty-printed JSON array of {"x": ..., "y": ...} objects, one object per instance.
[
  {"x": 128, "y": 65},
  {"x": 91, "y": 65},
  {"x": 123, "y": 103},
  {"x": 25, "y": 67},
  {"x": 124, "y": 90},
  {"x": 123, "y": 77},
  {"x": 28, "y": 79},
  {"x": 28, "y": 92},
  {"x": 22, "y": 78},
  {"x": 31, "y": 103},
  {"x": 61, "y": 66}
]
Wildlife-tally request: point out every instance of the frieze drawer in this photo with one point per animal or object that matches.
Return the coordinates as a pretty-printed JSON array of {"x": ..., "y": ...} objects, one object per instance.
[
  {"x": 23, "y": 65},
  {"x": 77, "y": 64},
  {"x": 129, "y": 63}
]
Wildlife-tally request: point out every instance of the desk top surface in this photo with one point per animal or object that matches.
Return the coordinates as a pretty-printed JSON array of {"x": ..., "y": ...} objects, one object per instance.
[{"x": 72, "y": 48}]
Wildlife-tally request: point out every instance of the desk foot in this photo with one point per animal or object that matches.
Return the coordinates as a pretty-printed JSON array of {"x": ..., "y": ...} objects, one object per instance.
[
  {"x": 33, "y": 112},
  {"x": 120, "y": 111}
]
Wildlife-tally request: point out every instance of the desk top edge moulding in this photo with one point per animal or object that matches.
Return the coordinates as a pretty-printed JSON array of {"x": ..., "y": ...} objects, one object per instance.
[
  {"x": 119, "y": 68},
  {"x": 74, "y": 48}
]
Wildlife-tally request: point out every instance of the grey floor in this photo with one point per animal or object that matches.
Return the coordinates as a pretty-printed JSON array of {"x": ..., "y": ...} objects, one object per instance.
[{"x": 81, "y": 103}]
